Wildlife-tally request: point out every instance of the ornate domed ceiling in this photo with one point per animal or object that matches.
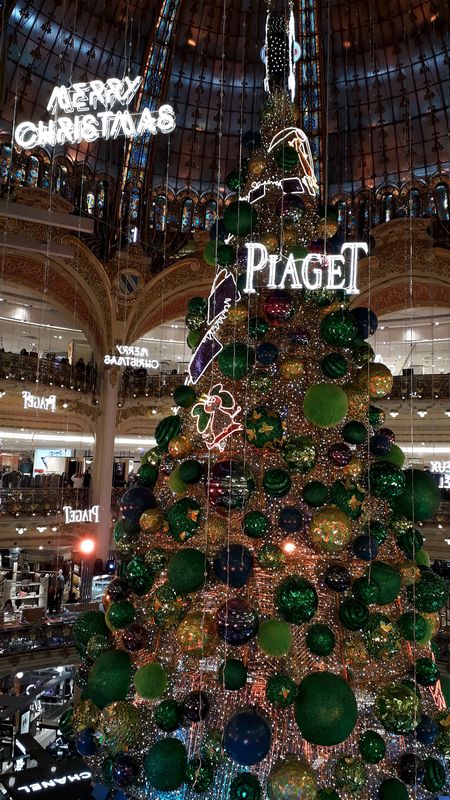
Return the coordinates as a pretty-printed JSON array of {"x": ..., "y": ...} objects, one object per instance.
[{"x": 383, "y": 80}]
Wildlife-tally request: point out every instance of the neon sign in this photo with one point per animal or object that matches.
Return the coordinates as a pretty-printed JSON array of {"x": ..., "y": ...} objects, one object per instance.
[
  {"x": 315, "y": 271},
  {"x": 130, "y": 356},
  {"x": 98, "y": 110},
  {"x": 81, "y": 515},
  {"x": 42, "y": 403},
  {"x": 216, "y": 414}
]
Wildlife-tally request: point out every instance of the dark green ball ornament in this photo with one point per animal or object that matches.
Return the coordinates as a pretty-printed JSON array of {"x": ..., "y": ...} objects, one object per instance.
[
  {"x": 212, "y": 747},
  {"x": 190, "y": 471},
  {"x": 350, "y": 774},
  {"x": 363, "y": 354},
  {"x": 263, "y": 427},
  {"x": 199, "y": 775},
  {"x": 184, "y": 519},
  {"x": 281, "y": 690},
  {"x": 320, "y": 639},
  {"x": 386, "y": 480},
  {"x": 194, "y": 338},
  {"x": 232, "y": 674},
  {"x": 420, "y": 498},
  {"x": 353, "y": 614},
  {"x": 245, "y": 786},
  {"x": 296, "y": 599},
  {"x": 86, "y": 625},
  {"x": 194, "y": 322},
  {"x": 392, "y": 789},
  {"x": 435, "y": 775},
  {"x": 334, "y": 365},
  {"x": 235, "y": 180},
  {"x": 147, "y": 474},
  {"x": 119, "y": 615},
  {"x": 398, "y": 707},
  {"x": 426, "y": 672},
  {"x": 381, "y": 637},
  {"x": 277, "y": 482},
  {"x": 365, "y": 590},
  {"x": 328, "y": 794},
  {"x": 226, "y": 255},
  {"x": 387, "y": 580},
  {"x": 286, "y": 157},
  {"x": 197, "y": 305},
  {"x": 139, "y": 576},
  {"x": 372, "y": 747},
  {"x": 299, "y": 454},
  {"x": 165, "y": 765},
  {"x": 168, "y": 715},
  {"x": 338, "y": 328},
  {"x": 235, "y": 360},
  {"x": 184, "y": 396},
  {"x": 260, "y": 381},
  {"x": 354, "y": 432},
  {"x": 325, "y": 709},
  {"x": 413, "y": 627},
  {"x": 126, "y": 533},
  {"x": 257, "y": 327},
  {"x": 156, "y": 559},
  {"x": 187, "y": 570},
  {"x": 166, "y": 430},
  {"x": 239, "y": 217},
  {"x": 109, "y": 678},
  {"x": 315, "y": 494},
  {"x": 430, "y": 594},
  {"x": 376, "y": 417},
  {"x": 377, "y": 530},
  {"x": 255, "y": 524},
  {"x": 271, "y": 557},
  {"x": 348, "y": 497}
]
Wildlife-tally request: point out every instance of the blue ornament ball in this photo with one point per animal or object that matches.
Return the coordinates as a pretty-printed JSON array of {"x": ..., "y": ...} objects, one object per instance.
[
  {"x": 135, "y": 501},
  {"x": 266, "y": 353},
  {"x": 86, "y": 742},
  {"x": 366, "y": 321},
  {"x": 125, "y": 770},
  {"x": 290, "y": 519},
  {"x": 233, "y": 565},
  {"x": 379, "y": 445},
  {"x": 237, "y": 622},
  {"x": 365, "y": 548},
  {"x": 427, "y": 730},
  {"x": 247, "y": 737}
]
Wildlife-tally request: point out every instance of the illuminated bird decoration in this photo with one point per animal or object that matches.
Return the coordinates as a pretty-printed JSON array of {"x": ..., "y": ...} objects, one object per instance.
[{"x": 216, "y": 412}]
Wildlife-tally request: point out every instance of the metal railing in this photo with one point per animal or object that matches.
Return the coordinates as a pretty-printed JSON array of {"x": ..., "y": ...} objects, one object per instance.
[
  {"x": 138, "y": 383},
  {"x": 48, "y": 371},
  {"x": 41, "y": 502},
  {"x": 428, "y": 387}
]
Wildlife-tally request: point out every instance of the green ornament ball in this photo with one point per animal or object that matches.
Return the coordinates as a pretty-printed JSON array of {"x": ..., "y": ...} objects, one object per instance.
[
  {"x": 386, "y": 481},
  {"x": 187, "y": 570},
  {"x": 168, "y": 715},
  {"x": 410, "y": 541},
  {"x": 139, "y": 577},
  {"x": 395, "y": 456},
  {"x": 198, "y": 305},
  {"x": 98, "y": 644},
  {"x": 226, "y": 255},
  {"x": 183, "y": 518},
  {"x": 165, "y": 765},
  {"x": 263, "y": 427},
  {"x": 85, "y": 626},
  {"x": 209, "y": 253},
  {"x": 176, "y": 484},
  {"x": 166, "y": 430},
  {"x": 362, "y": 354},
  {"x": 376, "y": 417},
  {"x": 257, "y": 327},
  {"x": 315, "y": 494},
  {"x": 426, "y": 672},
  {"x": 260, "y": 381},
  {"x": 271, "y": 557},
  {"x": 325, "y": 405},
  {"x": 398, "y": 708},
  {"x": 277, "y": 482},
  {"x": 328, "y": 794},
  {"x": 296, "y": 599},
  {"x": 430, "y": 594},
  {"x": 320, "y": 639},
  {"x": 325, "y": 709},
  {"x": 435, "y": 774},
  {"x": 193, "y": 339},
  {"x": 194, "y": 322},
  {"x": 156, "y": 559},
  {"x": 286, "y": 157},
  {"x": 245, "y": 786},
  {"x": 239, "y": 217},
  {"x": 119, "y": 615},
  {"x": 125, "y": 531},
  {"x": 420, "y": 498},
  {"x": 377, "y": 530},
  {"x": 334, "y": 366},
  {"x": 184, "y": 396},
  {"x": 274, "y": 637},
  {"x": 413, "y": 627},
  {"x": 199, "y": 775},
  {"x": 372, "y": 747},
  {"x": 348, "y": 497},
  {"x": 365, "y": 590},
  {"x": 353, "y": 614},
  {"x": 299, "y": 454},
  {"x": 191, "y": 471},
  {"x": 168, "y": 607},
  {"x": 350, "y": 774},
  {"x": 392, "y": 789},
  {"x": 147, "y": 475},
  {"x": 150, "y": 681},
  {"x": 281, "y": 690},
  {"x": 235, "y": 180},
  {"x": 381, "y": 637},
  {"x": 387, "y": 580},
  {"x": 232, "y": 674},
  {"x": 255, "y": 524},
  {"x": 109, "y": 678},
  {"x": 338, "y": 328},
  {"x": 422, "y": 558},
  {"x": 212, "y": 747},
  {"x": 235, "y": 360},
  {"x": 354, "y": 432}
]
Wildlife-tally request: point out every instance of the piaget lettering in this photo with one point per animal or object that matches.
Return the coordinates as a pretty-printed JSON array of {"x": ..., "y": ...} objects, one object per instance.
[
  {"x": 130, "y": 356},
  {"x": 315, "y": 271},
  {"x": 99, "y": 111},
  {"x": 43, "y": 403},
  {"x": 81, "y": 515}
]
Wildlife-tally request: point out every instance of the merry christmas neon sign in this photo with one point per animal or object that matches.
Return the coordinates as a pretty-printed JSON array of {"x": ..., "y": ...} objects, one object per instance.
[{"x": 98, "y": 110}]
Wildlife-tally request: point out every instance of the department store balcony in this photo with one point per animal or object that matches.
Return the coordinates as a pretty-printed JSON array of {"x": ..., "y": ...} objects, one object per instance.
[
  {"x": 37, "y": 644},
  {"x": 42, "y": 500},
  {"x": 48, "y": 371}
]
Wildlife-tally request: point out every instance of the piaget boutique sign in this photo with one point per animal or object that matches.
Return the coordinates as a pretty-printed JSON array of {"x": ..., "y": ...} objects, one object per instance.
[{"x": 85, "y": 112}]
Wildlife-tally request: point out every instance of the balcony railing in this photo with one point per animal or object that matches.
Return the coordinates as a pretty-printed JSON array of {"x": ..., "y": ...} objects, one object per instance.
[
  {"x": 48, "y": 371},
  {"x": 428, "y": 387},
  {"x": 24, "y": 637},
  {"x": 41, "y": 502},
  {"x": 138, "y": 383}
]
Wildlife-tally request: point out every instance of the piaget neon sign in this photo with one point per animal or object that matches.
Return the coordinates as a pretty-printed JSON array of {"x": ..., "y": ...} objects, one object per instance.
[
  {"x": 42, "y": 403},
  {"x": 131, "y": 356},
  {"x": 98, "y": 110},
  {"x": 315, "y": 271},
  {"x": 81, "y": 515}
]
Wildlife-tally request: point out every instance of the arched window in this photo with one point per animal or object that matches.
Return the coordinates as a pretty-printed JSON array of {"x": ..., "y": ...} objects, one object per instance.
[
  {"x": 388, "y": 207},
  {"x": 5, "y": 163},
  {"x": 32, "y": 171},
  {"x": 442, "y": 204},
  {"x": 89, "y": 202},
  {"x": 61, "y": 180},
  {"x": 101, "y": 199},
  {"x": 197, "y": 217},
  {"x": 210, "y": 214},
  {"x": 18, "y": 171},
  {"x": 342, "y": 216},
  {"x": 186, "y": 215},
  {"x": 160, "y": 212},
  {"x": 363, "y": 219},
  {"x": 134, "y": 207},
  {"x": 44, "y": 177},
  {"x": 415, "y": 203}
]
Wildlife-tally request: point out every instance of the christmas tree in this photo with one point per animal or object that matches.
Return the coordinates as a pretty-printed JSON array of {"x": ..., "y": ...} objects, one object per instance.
[{"x": 269, "y": 630}]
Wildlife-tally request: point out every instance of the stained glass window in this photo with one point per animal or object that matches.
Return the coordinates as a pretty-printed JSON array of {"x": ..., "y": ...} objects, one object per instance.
[
  {"x": 5, "y": 163},
  {"x": 18, "y": 172},
  {"x": 197, "y": 218},
  {"x": 415, "y": 203},
  {"x": 135, "y": 202},
  {"x": 90, "y": 202},
  {"x": 32, "y": 171},
  {"x": 211, "y": 214},
  {"x": 186, "y": 214},
  {"x": 442, "y": 204},
  {"x": 388, "y": 207},
  {"x": 160, "y": 212},
  {"x": 101, "y": 199},
  {"x": 61, "y": 180},
  {"x": 44, "y": 179},
  {"x": 342, "y": 216}
]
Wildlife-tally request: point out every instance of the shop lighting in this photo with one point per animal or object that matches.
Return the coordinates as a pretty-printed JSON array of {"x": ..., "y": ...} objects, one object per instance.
[
  {"x": 394, "y": 413},
  {"x": 19, "y": 675},
  {"x": 87, "y": 546},
  {"x": 431, "y": 450},
  {"x": 422, "y": 414},
  {"x": 74, "y": 439}
]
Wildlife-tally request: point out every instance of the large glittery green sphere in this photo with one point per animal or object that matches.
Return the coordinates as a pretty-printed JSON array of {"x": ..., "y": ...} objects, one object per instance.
[
  {"x": 328, "y": 794},
  {"x": 338, "y": 328},
  {"x": 299, "y": 454},
  {"x": 139, "y": 577},
  {"x": 315, "y": 494},
  {"x": 257, "y": 327},
  {"x": 276, "y": 482},
  {"x": 372, "y": 747},
  {"x": 413, "y": 627},
  {"x": 184, "y": 396},
  {"x": 187, "y": 570},
  {"x": 376, "y": 529},
  {"x": 350, "y": 774},
  {"x": 271, "y": 557},
  {"x": 398, "y": 708},
  {"x": 166, "y": 430},
  {"x": 119, "y": 615},
  {"x": 147, "y": 474},
  {"x": 392, "y": 789},
  {"x": 260, "y": 381},
  {"x": 235, "y": 360},
  {"x": 320, "y": 639},
  {"x": 353, "y": 614},
  {"x": 325, "y": 405},
  {"x": 245, "y": 786},
  {"x": 263, "y": 427},
  {"x": 109, "y": 678},
  {"x": 199, "y": 775},
  {"x": 381, "y": 637},
  {"x": 292, "y": 778},
  {"x": 98, "y": 644},
  {"x": 150, "y": 681},
  {"x": 274, "y": 637},
  {"x": 184, "y": 519},
  {"x": 296, "y": 599},
  {"x": 168, "y": 607},
  {"x": 420, "y": 497},
  {"x": 435, "y": 775},
  {"x": 281, "y": 690},
  {"x": 334, "y": 365},
  {"x": 354, "y": 432},
  {"x": 239, "y": 217},
  {"x": 165, "y": 765},
  {"x": 232, "y": 674},
  {"x": 286, "y": 157},
  {"x": 376, "y": 417},
  {"x": 426, "y": 671},
  {"x": 395, "y": 456},
  {"x": 325, "y": 709},
  {"x": 168, "y": 715},
  {"x": 430, "y": 593},
  {"x": 386, "y": 480},
  {"x": 387, "y": 580},
  {"x": 255, "y": 524},
  {"x": 85, "y": 626}
]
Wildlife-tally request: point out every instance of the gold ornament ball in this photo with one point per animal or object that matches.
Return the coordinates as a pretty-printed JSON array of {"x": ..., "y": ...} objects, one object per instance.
[
  {"x": 119, "y": 724},
  {"x": 85, "y": 715},
  {"x": 292, "y": 779},
  {"x": 377, "y": 379},
  {"x": 354, "y": 469},
  {"x": 256, "y": 166},
  {"x": 330, "y": 530},
  {"x": 358, "y": 401},
  {"x": 433, "y": 620},
  {"x": 124, "y": 549},
  {"x": 216, "y": 529},
  {"x": 355, "y": 652},
  {"x": 326, "y": 228},
  {"x": 196, "y": 634},
  {"x": 152, "y": 521},
  {"x": 291, "y": 368},
  {"x": 290, "y": 236},
  {"x": 409, "y": 573},
  {"x": 270, "y": 241},
  {"x": 238, "y": 313},
  {"x": 180, "y": 446}
]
